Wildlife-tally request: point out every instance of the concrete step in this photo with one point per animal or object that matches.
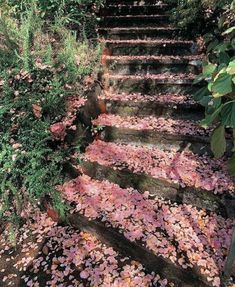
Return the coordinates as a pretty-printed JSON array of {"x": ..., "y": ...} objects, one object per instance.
[
  {"x": 142, "y": 65},
  {"x": 139, "y": 33},
  {"x": 152, "y": 130},
  {"x": 167, "y": 238},
  {"x": 177, "y": 175},
  {"x": 168, "y": 105},
  {"x": 151, "y": 84},
  {"x": 136, "y": 20},
  {"x": 150, "y": 47}
]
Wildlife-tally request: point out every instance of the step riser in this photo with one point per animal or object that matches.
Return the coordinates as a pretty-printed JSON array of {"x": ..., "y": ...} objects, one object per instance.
[
  {"x": 138, "y": 35},
  {"x": 199, "y": 145},
  {"x": 150, "y": 50},
  {"x": 149, "y": 68},
  {"x": 136, "y": 251},
  {"x": 184, "y": 112},
  {"x": 149, "y": 87},
  {"x": 134, "y": 22},
  {"x": 141, "y": 182},
  {"x": 132, "y": 10}
]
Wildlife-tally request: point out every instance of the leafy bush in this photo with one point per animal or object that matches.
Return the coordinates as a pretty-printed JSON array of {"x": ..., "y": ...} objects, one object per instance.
[
  {"x": 218, "y": 95},
  {"x": 202, "y": 12},
  {"x": 41, "y": 64}
]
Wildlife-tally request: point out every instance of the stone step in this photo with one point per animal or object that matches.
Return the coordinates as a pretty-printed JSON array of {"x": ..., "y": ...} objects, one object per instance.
[
  {"x": 180, "y": 176},
  {"x": 170, "y": 105},
  {"x": 151, "y": 84},
  {"x": 139, "y": 33},
  {"x": 136, "y": 20},
  {"x": 121, "y": 10},
  {"x": 77, "y": 256},
  {"x": 188, "y": 245},
  {"x": 154, "y": 131},
  {"x": 149, "y": 47},
  {"x": 139, "y": 65}
]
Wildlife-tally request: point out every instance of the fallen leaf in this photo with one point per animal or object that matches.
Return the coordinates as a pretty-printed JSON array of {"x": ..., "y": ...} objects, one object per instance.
[
  {"x": 45, "y": 250},
  {"x": 37, "y": 110}
]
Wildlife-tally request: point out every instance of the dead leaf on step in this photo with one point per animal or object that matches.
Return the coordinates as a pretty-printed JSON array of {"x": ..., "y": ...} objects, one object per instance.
[
  {"x": 45, "y": 250},
  {"x": 37, "y": 110}
]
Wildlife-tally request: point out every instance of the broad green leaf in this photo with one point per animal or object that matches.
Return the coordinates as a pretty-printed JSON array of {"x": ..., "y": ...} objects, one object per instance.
[
  {"x": 222, "y": 47},
  {"x": 209, "y": 86},
  {"x": 201, "y": 93},
  {"x": 218, "y": 141},
  {"x": 212, "y": 45},
  {"x": 222, "y": 85},
  {"x": 229, "y": 30},
  {"x": 228, "y": 115},
  {"x": 224, "y": 58},
  {"x": 210, "y": 118},
  {"x": 231, "y": 68},
  {"x": 213, "y": 105},
  {"x": 208, "y": 69}
]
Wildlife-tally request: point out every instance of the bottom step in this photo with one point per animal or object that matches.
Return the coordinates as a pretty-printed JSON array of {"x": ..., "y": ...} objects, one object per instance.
[
  {"x": 179, "y": 242},
  {"x": 50, "y": 255}
]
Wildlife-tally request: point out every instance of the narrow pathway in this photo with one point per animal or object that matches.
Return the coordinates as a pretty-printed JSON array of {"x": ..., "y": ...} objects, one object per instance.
[{"x": 150, "y": 186}]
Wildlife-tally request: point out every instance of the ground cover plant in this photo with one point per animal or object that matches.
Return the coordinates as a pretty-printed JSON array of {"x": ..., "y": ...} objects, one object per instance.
[{"x": 45, "y": 68}]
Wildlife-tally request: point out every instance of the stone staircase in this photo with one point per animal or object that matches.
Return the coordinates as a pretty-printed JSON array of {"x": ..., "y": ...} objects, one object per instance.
[{"x": 150, "y": 186}]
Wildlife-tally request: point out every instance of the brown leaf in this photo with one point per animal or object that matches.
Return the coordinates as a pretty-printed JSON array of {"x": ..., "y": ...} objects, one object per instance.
[
  {"x": 37, "y": 110},
  {"x": 53, "y": 214},
  {"x": 45, "y": 250}
]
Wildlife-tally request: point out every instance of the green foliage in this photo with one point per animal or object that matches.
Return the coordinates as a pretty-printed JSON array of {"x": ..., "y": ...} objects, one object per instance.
[
  {"x": 218, "y": 76},
  {"x": 77, "y": 14},
  {"x": 218, "y": 141},
  {"x": 39, "y": 58},
  {"x": 202, "y": 12}
]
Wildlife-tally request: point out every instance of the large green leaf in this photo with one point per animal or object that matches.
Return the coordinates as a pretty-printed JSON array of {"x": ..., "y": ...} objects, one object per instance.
[
  {"x": 213, "y": 105},
  {"x": 222, "y": 85},
  {"x": 224, "y": 58},
  {"x": 229, "y": 30},
  {"x": 212, "y": 45},
  {"x": 202, "y": 92},
  {"x": 228, "y": 115},
  {"x": 208, "y": 69},
  {"x": 210, "y": 118},
  {"x": 231, "y": 68},
  {"x": 218, "y": 142},
  {"x": 221, "y": 47}
]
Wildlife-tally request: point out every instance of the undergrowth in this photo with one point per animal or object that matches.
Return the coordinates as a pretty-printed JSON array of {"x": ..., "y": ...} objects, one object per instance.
[{"x": 42, "y": 62}]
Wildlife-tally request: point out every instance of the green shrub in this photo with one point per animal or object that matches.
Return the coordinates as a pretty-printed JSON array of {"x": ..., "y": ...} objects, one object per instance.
[
  {"x": 204, "y": 13},
  {"x": 40, "y": 58}
]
